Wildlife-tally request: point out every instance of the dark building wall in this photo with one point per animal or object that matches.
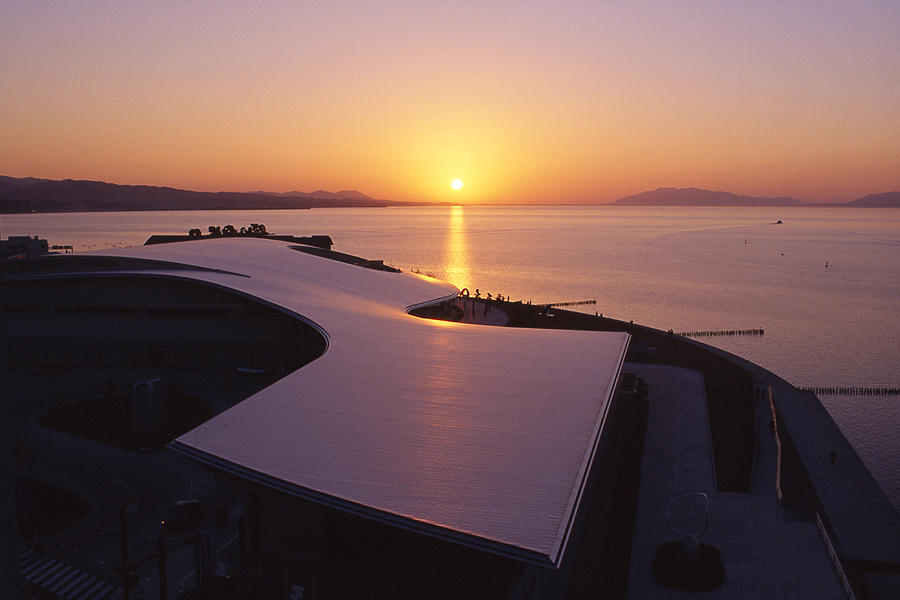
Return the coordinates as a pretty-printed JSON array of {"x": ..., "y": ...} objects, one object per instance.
[
  {"x": 148, "y": 322},
  {"x": 10, "y": 571},
  {"x": 293, "y": 541}
]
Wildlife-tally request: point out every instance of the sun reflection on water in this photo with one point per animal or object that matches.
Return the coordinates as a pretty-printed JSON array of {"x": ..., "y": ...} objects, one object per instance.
[{"x": 457, "y": 266}]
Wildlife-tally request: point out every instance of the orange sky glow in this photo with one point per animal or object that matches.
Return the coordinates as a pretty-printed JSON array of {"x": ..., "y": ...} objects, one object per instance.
[{"x": 525, "y": 102}]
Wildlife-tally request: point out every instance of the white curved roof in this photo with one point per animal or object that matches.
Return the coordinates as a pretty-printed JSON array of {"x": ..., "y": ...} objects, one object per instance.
[{"x": 480, "y": 434}]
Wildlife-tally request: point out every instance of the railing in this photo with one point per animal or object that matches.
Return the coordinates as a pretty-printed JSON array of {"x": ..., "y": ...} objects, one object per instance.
[
  {"x": 778, "y": 446},
  {"x": 835, "y": 558},
  {"x": 852, "y": 391},
  {"x": 825, "y": 537}
]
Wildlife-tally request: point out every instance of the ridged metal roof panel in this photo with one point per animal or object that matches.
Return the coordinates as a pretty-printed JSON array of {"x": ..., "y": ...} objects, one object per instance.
[{"x": 483, "y": 435}]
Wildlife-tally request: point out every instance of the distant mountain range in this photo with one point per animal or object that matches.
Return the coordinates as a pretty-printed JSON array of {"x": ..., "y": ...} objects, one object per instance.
[
  {"x": 697, "y": 197},
  {"x": 323, "y": 195},
  {"x": 885, "y": 200},
  {"x": 23, "y": 195}
]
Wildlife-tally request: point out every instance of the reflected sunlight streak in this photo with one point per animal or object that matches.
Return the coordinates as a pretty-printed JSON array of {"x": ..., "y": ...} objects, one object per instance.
[{"x": 456, "y": 261}]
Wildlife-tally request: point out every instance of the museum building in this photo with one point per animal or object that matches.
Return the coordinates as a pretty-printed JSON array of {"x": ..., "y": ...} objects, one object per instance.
[{"x": 392, "y": 456}]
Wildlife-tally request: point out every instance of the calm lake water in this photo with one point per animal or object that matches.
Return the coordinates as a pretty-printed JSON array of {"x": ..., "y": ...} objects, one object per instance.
[{"x": 824, "y": 284}]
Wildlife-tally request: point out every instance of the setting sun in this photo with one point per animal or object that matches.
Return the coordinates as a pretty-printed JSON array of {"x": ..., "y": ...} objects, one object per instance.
[{"x": 746, "y": 101}]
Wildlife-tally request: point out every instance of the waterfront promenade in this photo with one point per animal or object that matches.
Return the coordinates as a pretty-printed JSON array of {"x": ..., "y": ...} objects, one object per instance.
[
  {"x": 765, "y": 554},
  {"x": 770, "y": 549}
]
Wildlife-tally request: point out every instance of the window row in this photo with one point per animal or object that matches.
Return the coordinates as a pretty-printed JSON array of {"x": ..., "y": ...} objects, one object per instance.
[{"x": 151, "y": 311}]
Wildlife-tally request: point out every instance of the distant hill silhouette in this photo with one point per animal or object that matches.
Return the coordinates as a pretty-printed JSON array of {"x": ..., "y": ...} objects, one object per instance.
[
  {"x": 28, "y": 194},
  {"x": 697, "y": 197},
  {"x": 343, "y": 195},
  {"x": 21, "y": 195},
  {"x": 885, "y": 200}
]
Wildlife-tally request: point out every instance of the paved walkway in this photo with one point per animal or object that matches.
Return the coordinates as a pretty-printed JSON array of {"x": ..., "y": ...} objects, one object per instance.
[
  {"x": 764, "y": 555},
  {"x": 866, "y": 527},
  {"x": 863, "y": 518}
]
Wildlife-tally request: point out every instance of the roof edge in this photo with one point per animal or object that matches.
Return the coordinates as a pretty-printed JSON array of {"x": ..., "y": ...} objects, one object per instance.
[
  {"x": 428, "y": 529},
  {"x": 587, "y": 465}
]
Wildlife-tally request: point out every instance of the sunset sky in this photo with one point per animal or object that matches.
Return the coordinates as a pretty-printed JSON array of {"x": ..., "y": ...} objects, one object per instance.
[{"x": 534, "y": 102}]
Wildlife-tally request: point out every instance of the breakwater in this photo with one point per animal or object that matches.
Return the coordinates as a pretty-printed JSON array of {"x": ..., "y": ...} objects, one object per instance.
[
  {"x": 852, "y": 391},
  {"x": 576, "y": 303},
  {"x": 722, "y": 332}
]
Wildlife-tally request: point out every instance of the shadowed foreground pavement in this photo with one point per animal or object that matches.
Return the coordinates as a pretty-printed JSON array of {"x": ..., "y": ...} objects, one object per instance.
[{"x": 764, "y": 555}]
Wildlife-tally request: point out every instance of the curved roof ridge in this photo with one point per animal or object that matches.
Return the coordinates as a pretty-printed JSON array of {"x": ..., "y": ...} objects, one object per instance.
[{"x": 480, "y": 435}]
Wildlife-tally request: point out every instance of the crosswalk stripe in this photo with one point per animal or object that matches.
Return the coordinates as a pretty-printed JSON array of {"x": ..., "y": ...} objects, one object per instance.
[
  {"x": 37, "y": 569},
  {"x": 30, "y": 567},
  {"x": 49, "y": 575},
  {"x": 25, "y": 552},
  {"x": 27, "y": 558},
  {"x": 73, "y": 583},
  {"x": 56, "y": 585},
  {"x": 63, "y": 574},
  {"x": 90, "y": 592},
  {"x": 77, "y": 591},
  {"x": 61, "y": 579},
  {"x": 106, "y": 593},
  {"x": 30, "y": 561}
]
